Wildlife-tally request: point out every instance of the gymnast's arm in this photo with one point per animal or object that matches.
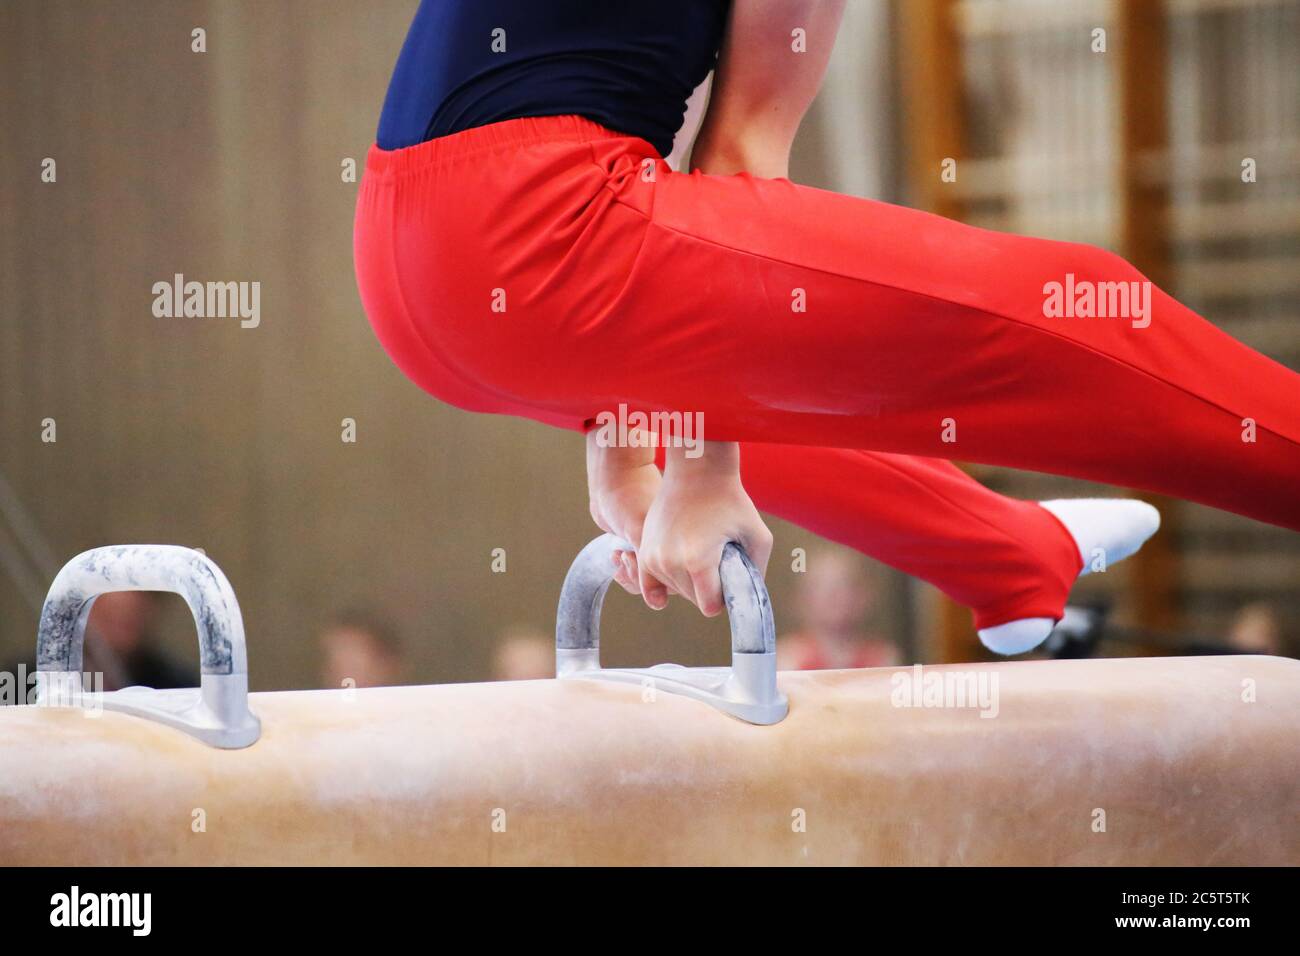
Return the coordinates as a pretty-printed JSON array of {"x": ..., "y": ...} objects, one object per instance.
[
  {"x": 771, "y": 64},
  {"x": 767, "y": 75}
]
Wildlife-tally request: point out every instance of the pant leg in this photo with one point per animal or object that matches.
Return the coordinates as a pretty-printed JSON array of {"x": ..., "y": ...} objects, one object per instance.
[
  {"x": 1005, "y": 559},
  {"x": 785, "y": 314}
]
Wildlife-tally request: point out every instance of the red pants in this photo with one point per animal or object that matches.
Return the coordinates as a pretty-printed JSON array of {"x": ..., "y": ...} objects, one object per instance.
[{"x": 552, "y": 269}]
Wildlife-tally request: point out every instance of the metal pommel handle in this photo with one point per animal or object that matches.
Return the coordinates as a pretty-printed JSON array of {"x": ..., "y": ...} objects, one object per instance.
[
  {"x": 747, "y": 690},
  {"x": 219, "y": 714}
]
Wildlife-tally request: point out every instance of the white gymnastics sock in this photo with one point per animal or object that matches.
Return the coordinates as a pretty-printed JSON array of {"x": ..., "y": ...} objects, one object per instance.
[
  {"x": 1017, "y": 637},
  {"x": 1105, "y": 530}
]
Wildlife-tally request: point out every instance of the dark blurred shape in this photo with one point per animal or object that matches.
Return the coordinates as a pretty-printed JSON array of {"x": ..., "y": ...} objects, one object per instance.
[
  {"x": 1255, "y": 629},
  {"x": 1077, "y": 634},
  {"x": 121, "y": 641},
  {"x": 121, "y": 644},
  {"x": 360, "y": 648},
  {"x": 523, "y": 653},
  {"x": 835, "y": 599}
]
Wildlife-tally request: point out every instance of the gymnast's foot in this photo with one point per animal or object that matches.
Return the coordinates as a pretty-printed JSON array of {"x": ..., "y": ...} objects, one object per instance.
[{"x": 1106, "y": 530}]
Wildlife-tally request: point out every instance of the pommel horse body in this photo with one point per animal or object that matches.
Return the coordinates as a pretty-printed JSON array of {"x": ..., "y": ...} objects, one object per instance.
[{"x": 1140, "y": 761}]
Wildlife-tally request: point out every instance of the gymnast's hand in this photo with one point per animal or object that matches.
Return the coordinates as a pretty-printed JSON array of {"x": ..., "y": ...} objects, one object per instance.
[
  {"x": 700, "y": 506},
  {"x": 622, "y": 481}
]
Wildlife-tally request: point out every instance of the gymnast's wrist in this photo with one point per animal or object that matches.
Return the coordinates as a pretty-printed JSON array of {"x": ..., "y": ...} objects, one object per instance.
[
  {"x": 606, "y": 462},
  {"x": 710, "y": 461}
]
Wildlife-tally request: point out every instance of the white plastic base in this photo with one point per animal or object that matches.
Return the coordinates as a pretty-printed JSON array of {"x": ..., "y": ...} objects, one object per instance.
[
  {"x": 186, "y": 709},
  {"x": 722, "y": 688}
]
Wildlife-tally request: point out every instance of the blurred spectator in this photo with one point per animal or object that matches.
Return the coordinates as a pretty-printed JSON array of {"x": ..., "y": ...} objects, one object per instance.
[
  {"x": 523, "y": 653},
  {"x": 360, "y": 649},
  {"x": 835, "y": 599},
  {"x": 1256, "y": 629},
  {"x": 121, "y": 642}
]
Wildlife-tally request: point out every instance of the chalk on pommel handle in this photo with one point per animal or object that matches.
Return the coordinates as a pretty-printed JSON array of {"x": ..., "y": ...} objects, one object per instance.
[
  {"x": 217, "y": 712},
  {"x": 747, "y": 689}
]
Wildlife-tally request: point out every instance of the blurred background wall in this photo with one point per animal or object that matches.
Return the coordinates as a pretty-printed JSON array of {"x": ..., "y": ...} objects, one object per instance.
[{"x": 231, "y": 165}]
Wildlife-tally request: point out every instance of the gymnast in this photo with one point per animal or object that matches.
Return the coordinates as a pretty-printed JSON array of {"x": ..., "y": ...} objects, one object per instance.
[{"x": 523, "y": 247}]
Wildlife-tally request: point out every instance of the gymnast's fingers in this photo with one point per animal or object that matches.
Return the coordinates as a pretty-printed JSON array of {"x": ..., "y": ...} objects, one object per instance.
[{"x": 625, "y": 572}]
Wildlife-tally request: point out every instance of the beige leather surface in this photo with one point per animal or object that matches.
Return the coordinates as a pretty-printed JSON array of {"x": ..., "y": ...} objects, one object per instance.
[{"x": 1148, "y": 761}]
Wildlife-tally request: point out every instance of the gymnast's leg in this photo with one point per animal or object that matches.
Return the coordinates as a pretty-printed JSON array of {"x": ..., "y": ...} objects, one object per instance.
[
  {"x": 858, "y": 324},
  {"x": 1012, "y": 562}
]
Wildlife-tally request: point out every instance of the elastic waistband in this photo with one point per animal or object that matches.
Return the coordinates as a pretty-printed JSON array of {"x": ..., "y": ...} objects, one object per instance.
[{"x": 507, "y": 133}]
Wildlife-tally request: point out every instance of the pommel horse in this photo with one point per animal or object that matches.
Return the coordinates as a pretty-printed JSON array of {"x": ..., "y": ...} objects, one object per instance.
[{"x": 1139, "y": 761}]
